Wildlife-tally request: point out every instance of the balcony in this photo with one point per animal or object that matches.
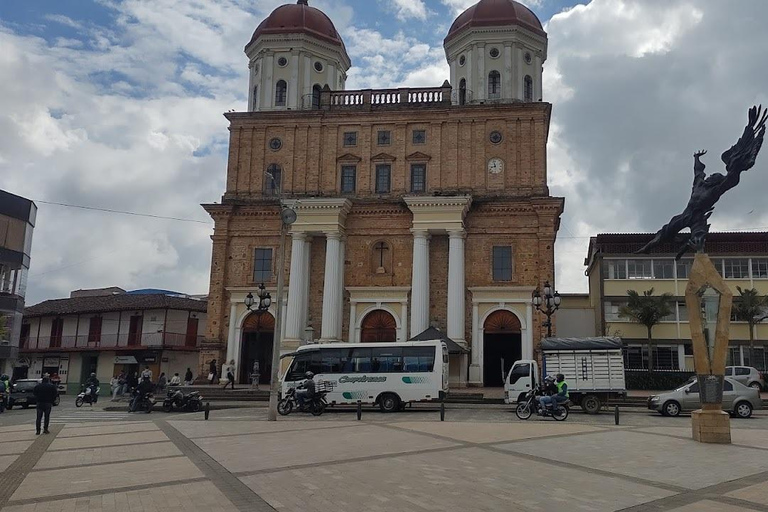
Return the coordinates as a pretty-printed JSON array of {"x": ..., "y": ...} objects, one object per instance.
[
  {"x": 379, "y": 99},
  {"x": 146, "y": 341}
]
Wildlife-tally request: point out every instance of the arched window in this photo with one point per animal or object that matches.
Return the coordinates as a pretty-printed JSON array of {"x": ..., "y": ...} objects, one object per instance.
[
  {"x": 255, "y": 97},
  {"x": 378, "y": 326},
  {"x": 273, "y": 180},
  {"x": 281, "y": 91},
  {"x": 463, "y": 92},
  {"x": 316, "y": 90},
  {"x": 494, "y": 85},
  {"x": 528, "y": 88}
]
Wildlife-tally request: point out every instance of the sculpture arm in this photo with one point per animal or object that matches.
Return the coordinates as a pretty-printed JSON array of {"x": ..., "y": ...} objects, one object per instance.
[{"x": 698, "y": 165}]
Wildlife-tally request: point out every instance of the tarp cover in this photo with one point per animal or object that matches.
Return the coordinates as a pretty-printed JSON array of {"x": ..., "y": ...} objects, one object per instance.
[{"x": 599, "y": 343}]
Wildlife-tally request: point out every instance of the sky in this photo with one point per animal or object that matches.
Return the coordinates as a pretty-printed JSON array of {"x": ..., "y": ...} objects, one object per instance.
[{"x": 117, "y": 105}]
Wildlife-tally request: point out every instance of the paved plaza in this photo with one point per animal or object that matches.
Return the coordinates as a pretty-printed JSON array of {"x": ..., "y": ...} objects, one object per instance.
[{"x": 483, "y": 459}]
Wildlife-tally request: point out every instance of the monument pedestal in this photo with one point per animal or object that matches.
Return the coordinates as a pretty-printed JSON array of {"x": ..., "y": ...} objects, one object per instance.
[{"x": 711, "y": 426}]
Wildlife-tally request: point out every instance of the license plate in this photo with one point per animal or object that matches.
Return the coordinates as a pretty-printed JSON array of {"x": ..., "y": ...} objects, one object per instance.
[{"x": 21, "y": 400}]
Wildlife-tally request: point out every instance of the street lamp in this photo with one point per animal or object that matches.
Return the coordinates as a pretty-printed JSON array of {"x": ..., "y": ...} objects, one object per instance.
[
  {"x": 265, "y": 300},
  {"x": 547, "y": 303}
]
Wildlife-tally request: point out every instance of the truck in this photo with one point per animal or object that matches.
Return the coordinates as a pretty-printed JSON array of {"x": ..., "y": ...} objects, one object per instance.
[{"x": 593, "y": 368}]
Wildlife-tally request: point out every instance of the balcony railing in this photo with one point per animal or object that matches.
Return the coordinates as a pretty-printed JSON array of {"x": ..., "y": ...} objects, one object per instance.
[
  {"x": 370, "y": 99},
  {"x": 126, "y": 341}
]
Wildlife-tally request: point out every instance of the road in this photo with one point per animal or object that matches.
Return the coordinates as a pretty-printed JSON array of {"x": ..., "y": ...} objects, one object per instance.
[{"x": 66, "y": 412}]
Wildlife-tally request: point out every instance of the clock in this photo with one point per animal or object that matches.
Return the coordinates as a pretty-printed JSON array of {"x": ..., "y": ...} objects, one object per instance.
[
  {"x": 288, "y": 216},
  {"x": 495, "y": 165}
]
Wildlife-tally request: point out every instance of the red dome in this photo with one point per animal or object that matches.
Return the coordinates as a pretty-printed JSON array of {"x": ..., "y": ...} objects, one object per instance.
[
  {"x": 299, "y": 18},
  {"x": 494, "y": 13}
]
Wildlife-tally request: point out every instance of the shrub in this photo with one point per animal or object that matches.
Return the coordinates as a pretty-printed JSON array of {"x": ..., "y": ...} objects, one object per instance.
[{"x": 656, "y": 380}]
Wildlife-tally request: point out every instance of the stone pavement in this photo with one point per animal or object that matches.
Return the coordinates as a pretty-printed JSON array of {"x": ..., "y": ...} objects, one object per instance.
[{"x": 385, "y": 463}]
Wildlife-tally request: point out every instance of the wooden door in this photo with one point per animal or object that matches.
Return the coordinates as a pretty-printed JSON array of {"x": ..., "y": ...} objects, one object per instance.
[
  {"x": 378, "y": 326},
  {"x": 134, "y": 331},
  {"x": 57, "y": 328},
  {"x": 191, "y": 338},
  {"x": 94, "y": 331}
]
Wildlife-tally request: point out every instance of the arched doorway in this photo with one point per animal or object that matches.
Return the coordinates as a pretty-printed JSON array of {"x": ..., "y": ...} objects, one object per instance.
[
  {"x": 502, "y": 346},
  {"x": 378, "y": 325},
  {"x": 258, "y": 335}
]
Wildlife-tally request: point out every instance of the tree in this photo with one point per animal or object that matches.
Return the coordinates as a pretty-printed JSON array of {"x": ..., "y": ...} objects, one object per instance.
[
  {"x": 648, "y": 310},
  {"x": 751, "y": 308}
]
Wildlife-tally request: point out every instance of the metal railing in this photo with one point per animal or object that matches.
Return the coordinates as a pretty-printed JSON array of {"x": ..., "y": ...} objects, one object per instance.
[{"x": 124, "y": 341}]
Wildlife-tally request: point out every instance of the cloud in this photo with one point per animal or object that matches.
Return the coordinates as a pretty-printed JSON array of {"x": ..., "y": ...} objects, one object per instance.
[
  {"x": 459, "y": 6},
  {"x": 636, "y": 87},
  {"x": 407, "y": 9}
]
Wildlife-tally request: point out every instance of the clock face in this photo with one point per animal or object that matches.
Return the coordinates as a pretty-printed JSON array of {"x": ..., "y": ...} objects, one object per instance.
[{"x": 495, "y": 165}]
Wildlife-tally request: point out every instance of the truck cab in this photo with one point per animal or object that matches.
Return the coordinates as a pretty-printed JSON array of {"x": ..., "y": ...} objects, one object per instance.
[{"x": 522, "y": 377}]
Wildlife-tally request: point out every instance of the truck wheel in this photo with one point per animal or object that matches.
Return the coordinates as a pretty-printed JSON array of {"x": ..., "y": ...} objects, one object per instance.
[{"x": 591, "y": 404}]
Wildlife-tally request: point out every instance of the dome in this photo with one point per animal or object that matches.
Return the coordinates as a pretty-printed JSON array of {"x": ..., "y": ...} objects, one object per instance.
[
  {"x": 299, "y": 18},
  {"x": 494, "y": 13}
]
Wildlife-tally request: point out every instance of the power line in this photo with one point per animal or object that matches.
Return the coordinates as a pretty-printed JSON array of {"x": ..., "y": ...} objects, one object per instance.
[{"x": 123, "y": 212}]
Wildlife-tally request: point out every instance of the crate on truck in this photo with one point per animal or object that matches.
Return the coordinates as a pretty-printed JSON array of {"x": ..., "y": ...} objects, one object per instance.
[{"x": 593, "y": 368}]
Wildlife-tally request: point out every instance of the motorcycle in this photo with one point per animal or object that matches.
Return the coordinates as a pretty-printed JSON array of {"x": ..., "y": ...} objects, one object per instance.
[
  {"x": 176, "y": 399},
  {"x": 145, "y": 403},
  {"x": 316, "y": 404},
  {"x": 87, "y": 396},
  {"x": 531, "y": 404}
]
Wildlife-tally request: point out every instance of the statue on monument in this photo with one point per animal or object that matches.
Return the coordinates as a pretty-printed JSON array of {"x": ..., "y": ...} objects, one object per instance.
[{"x": 707, "y": 190}]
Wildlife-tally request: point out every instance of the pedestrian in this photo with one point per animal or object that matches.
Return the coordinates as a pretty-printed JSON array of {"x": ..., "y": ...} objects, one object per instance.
[
  {"x": 115, "y": 385},
  {"x": 212, "y": 371},
  {"x": 45, "y": 394},
  {"x": 188, "y": 377},
  {"x": 230, "y": 378},
  {"x": 122, "y": 382},
  {"x": 146, "y": 374},
  {"x": 162, "y": 382},
  {"x": 5, "y": 389},
  {"x": 175, "y": 380},
  {"x": 255, "y": 374}
]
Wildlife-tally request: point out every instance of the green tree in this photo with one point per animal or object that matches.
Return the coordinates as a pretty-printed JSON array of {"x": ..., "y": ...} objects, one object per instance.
[
  {"x": 751, "y": 308},
  {"x": 648, "y": 309}
]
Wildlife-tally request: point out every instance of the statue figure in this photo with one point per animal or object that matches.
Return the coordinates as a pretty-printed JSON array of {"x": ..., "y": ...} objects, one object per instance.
[{"x": 708, "y": 189}]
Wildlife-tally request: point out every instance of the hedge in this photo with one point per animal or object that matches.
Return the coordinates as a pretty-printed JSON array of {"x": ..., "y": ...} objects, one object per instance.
[{"x": 656, "y": 380}]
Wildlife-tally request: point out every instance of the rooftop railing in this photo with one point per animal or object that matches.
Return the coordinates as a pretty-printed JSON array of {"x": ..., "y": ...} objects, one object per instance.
[{"x": 376, "y": 99}]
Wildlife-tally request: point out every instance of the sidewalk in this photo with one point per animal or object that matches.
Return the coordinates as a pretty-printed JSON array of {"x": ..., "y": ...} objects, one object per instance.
[{"x": 385, "y": 463}]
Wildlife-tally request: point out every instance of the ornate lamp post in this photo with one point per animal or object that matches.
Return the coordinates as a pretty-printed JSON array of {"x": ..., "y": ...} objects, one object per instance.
[
  {"x": 547, "y": 303},
  {"x": 265, "y": 300}
]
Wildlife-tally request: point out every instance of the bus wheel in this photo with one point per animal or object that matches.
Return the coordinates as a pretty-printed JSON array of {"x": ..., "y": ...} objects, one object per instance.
[{"x": 389, "y": 402}]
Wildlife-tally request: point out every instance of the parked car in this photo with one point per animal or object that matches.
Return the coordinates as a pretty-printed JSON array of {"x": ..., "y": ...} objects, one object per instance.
[
  {"x": 738, "y": 399},
  {"x": 746, "y": 375},
  {"x": 21, "y": 394}
]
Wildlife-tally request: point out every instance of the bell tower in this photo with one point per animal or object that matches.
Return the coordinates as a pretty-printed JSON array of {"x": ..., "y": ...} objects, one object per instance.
[
  {"x": 293, "y": 54},
  {"x": 496, "y": 51}
]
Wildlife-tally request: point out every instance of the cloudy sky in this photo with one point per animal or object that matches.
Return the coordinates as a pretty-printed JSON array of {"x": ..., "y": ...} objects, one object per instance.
[{"x": 117, "y": 105}]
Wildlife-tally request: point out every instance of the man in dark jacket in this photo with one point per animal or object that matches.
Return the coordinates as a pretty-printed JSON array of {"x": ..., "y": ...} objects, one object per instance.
[
  {"x": 144, "y": 388},
  {"x": 45, "y": 394}
]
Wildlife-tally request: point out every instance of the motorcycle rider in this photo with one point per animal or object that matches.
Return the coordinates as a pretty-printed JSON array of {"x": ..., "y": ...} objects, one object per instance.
[
  {"x": 562, "y": 391},
  {"x": 144, "y": 388},
  {"x": 548, "y": 390},
  {"x": 93, "y": 384},
  {"x": 305, "y": 390}
]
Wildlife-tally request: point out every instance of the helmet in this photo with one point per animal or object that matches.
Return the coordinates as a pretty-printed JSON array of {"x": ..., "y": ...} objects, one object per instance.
[
  {"x": 560, "y": 377},
  {"x": 4, "y": 377},
  {"x": 549, "y": 378},
  {"x": 93, "y": 374},
  {"x": 309, "y": 375}
]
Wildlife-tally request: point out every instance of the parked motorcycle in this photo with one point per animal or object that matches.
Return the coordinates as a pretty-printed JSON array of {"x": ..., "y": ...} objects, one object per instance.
[
  {"x": 145, "y": 403},
  {"x": 531, "y": 404},
  {"x": 316, "y": 405},
  {"x": 176, "y": 399},
  {"x": 87, "y": 396}
]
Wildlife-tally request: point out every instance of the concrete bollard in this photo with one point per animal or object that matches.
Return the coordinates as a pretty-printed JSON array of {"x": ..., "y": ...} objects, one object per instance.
[
  {"x": 616, "y": 414},
  {"x": 442, "y": 411},
  {"x": 359, "y": 410},
  {"x": 207, "y": 409}
]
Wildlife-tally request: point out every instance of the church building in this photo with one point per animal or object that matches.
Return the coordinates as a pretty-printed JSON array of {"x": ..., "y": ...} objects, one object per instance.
[{"x": 415, "y": 207}]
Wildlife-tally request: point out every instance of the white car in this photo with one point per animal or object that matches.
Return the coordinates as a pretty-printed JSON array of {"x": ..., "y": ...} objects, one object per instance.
[{"x": 746, "y": 375}]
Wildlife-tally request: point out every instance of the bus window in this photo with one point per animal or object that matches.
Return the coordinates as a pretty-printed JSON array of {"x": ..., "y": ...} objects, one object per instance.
[
  {"x": 330, "y": 360},
  {"x": 418, "y": 359},
  {"x": 359, "y": 361},
  {"x": 299, "y": 367},
  {"x": 387, "y": 360}
]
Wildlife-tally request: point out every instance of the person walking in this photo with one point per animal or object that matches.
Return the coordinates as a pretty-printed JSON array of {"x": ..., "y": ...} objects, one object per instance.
[
  {"x": 146, "y": 374},
  {"x": 115, "y": 385},
  {"x": 188, "y": 377},
  {"x": 212, "y": 371},
  {"x": 45, "y": 394},
  {"x": 230, "y": 378},
  {"x": 5, "y": 390},
  {"x": 162, "y": 381}
]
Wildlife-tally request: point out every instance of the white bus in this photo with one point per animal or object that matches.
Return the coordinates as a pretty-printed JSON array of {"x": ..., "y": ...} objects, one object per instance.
[{"x": 389, "y": 375}]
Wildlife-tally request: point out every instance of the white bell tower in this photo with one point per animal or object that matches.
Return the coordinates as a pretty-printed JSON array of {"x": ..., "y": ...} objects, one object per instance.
[{"x": 293, "y": 55}]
